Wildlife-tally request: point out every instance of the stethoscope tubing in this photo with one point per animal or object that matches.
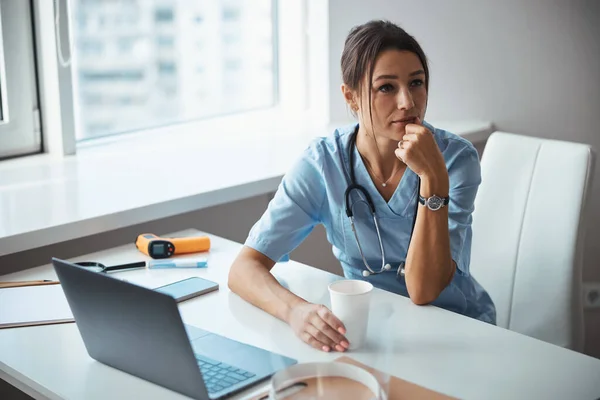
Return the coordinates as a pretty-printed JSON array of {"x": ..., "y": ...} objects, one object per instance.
[{"x": 353, "y": 186}]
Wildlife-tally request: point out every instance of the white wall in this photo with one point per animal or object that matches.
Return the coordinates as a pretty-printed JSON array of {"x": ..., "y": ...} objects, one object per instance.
[{"x": 530, "y": 67}]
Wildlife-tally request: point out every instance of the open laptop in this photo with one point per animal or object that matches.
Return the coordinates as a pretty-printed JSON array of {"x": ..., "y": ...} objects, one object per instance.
[{"x": 140, "y": 331}]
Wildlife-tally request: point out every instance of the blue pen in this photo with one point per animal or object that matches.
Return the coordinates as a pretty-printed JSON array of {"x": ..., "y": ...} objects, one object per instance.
[{"x": 177, "y": 264}]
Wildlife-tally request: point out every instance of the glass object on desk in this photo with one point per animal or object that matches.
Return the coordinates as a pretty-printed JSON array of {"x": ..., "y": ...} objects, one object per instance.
[{"x": 325, "y": 380}]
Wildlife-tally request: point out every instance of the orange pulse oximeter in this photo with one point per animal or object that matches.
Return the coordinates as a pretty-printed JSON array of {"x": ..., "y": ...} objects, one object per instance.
[{"x": 157, "y": 247}]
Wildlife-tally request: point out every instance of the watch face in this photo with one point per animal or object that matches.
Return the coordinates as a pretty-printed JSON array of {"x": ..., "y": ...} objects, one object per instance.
[{"x": 435, "y": 203}]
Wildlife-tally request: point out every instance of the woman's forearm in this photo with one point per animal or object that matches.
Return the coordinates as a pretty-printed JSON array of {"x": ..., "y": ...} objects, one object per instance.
[
  {"x": 429, "y": 266},
  {"x": 251, "y": 279}
]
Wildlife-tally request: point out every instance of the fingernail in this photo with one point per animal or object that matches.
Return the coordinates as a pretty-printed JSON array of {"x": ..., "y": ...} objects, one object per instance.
[
  {"x": 325, "y": 348},
  {"x": 345, "y": 344},
  {"x": 342, "y": 331},
  {"x": 339, "y": 348}
]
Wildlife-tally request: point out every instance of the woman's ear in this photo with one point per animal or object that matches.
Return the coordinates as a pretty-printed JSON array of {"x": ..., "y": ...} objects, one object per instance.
[{"x": 349, "y": 97}]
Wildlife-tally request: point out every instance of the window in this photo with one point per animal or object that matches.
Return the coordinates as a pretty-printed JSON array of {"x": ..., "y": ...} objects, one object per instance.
[
  {"x": 19, "y": 115},
  {"x": 163, "y": 15},
  {"x": 167, "y": 68},
  {"x": 188, "y": 59},
  {"x": 165, "y": 41}
]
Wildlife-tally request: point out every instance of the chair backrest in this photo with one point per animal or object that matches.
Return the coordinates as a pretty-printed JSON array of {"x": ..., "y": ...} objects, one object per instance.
[{"x": 528, "y": 234}]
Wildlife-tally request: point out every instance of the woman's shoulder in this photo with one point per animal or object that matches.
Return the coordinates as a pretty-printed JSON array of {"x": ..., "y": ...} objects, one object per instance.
[
  {"x": 329, "y": 147},
  {"x": 322, "y": 158}
]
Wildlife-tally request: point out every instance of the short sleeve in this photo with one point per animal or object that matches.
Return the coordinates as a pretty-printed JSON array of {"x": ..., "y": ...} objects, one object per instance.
[
  {"x": 294, "y": 210},
  {"x": 465, "y": 178}
]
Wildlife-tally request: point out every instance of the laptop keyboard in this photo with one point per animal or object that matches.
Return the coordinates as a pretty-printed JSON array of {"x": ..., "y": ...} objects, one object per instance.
[{"x": 219, "y": 376}]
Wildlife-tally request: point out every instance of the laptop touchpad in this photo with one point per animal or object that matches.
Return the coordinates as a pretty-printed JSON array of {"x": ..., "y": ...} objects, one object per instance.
[{"x": 194, "y": 333}]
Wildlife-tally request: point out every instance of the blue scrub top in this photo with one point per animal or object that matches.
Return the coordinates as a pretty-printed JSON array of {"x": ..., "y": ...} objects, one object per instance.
[{"x": 312, "y": 192}]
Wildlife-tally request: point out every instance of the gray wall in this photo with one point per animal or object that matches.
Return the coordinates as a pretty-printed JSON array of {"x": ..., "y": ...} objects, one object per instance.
[{"x": 530, "y": 67}]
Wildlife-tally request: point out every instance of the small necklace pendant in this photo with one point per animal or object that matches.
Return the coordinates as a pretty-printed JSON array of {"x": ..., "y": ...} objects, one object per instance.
[{"x": 384, "y": 184}]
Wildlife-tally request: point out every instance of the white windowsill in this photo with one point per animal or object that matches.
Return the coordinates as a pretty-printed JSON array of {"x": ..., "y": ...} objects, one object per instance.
[{"x": 119, "y": 183}]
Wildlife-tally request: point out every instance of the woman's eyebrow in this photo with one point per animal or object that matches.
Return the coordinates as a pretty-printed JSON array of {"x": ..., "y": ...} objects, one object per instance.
[
  {"x": 418, "y": 72},
  {"x": 380, "y": 77},
  {"x": 414, "y": 73}
]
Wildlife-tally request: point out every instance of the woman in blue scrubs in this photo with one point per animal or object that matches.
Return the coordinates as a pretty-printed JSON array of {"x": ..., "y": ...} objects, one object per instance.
[{"x": 420, "y": 181}]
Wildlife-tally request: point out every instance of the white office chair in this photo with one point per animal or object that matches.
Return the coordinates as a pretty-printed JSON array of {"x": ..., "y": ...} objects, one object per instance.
[{"x": 528, "y": 234}]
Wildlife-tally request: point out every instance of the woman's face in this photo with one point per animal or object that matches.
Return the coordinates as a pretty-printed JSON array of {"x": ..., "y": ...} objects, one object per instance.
[{"x": 398, "y": 94}]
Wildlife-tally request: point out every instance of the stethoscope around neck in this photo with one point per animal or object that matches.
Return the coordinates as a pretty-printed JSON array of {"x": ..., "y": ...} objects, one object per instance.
[{"x": 353, "y": 186}]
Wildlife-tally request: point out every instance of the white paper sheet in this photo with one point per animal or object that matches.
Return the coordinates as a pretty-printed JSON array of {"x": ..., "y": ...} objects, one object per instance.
[{"x": 33, "y": 305}]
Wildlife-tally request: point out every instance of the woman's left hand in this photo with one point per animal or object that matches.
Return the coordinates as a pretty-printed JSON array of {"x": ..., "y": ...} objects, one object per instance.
[{"x": 420, "y": 152}]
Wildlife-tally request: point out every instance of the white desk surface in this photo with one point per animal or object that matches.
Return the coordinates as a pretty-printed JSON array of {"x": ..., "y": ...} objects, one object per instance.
[
  {"x": 432, "y": 347},
  {"x": 46, "y": 200}
]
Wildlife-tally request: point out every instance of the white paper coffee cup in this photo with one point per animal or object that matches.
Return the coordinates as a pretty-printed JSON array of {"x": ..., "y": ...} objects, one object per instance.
[{"x": 350, "y": 302}]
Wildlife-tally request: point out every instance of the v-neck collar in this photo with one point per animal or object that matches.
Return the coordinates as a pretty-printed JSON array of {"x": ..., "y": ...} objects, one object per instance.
[
  {"x": 404, "y": 197},
  {"x": 405, "y": 192}
]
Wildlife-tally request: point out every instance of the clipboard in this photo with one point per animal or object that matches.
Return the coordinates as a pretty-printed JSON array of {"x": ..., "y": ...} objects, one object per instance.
[
  {"x": 31, "y": 305},
  {"x": 399, "y": 389}
]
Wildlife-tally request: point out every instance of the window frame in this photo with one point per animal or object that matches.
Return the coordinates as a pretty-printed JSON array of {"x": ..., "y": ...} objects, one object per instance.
[
  {"x": 19, "y": 128},
  {"x": 4, "y": 109},
  {"x": 293, "y": 92},
  {"x": 54, "y": 85}
]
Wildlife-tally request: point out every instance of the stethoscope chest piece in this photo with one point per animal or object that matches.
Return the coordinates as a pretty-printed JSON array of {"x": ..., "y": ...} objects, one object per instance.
[{"x": 400, "y": 273}]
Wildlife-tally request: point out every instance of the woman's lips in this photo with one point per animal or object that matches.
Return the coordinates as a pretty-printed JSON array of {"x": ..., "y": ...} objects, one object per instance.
[{"x": 404, "y": 121}]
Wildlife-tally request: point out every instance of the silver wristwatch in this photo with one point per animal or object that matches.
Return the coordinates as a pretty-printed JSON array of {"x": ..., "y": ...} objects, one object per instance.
[{"x": 434, "y": 202}]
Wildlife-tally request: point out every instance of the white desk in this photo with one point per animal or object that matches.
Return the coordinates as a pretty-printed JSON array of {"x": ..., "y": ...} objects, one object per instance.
[{"x": 441, "y": 350}]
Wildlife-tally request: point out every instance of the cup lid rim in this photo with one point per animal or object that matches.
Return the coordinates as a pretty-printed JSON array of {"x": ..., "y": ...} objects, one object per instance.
[{"x": 367, "y": 289}]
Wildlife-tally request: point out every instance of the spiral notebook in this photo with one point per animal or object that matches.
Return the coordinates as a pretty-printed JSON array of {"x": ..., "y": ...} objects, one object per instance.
[{"x": 33, "y": 305}]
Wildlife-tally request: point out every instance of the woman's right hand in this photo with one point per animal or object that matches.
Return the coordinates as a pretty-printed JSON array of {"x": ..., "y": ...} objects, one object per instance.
[{"x": 316, "y": 325}]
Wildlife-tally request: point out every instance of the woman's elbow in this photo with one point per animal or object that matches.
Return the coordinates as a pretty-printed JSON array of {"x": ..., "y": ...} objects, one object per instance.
[
  {"x": 422, "y": 298},
  {"x": 231, "y": 281},
  {"x": 248, "y": 264},
  {"x": 422, "y": 294},
  {"x": 423, "y": 290},
  {"x": 233, "y": 278}
]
